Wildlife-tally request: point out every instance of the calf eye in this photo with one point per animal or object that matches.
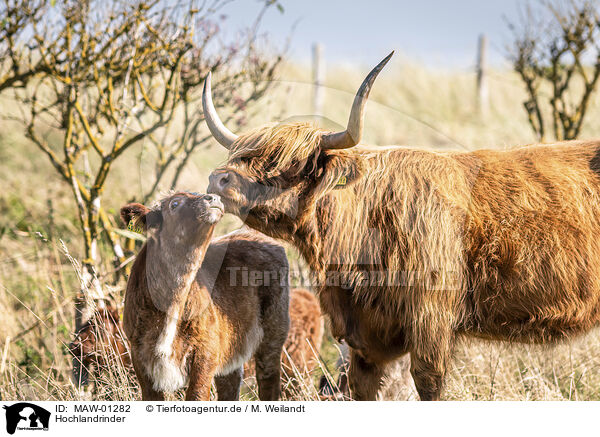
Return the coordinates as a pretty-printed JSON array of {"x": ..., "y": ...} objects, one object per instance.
[{"x": 174, "y": 204}]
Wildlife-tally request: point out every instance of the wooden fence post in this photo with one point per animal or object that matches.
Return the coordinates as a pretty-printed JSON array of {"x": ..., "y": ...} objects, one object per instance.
[{"x": 481, "y": 69}]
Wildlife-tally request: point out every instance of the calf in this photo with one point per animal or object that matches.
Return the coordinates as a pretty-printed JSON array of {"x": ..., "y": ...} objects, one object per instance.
[
  {"x": 189, "y": 316},
  {"x": 397, "y": 385}
]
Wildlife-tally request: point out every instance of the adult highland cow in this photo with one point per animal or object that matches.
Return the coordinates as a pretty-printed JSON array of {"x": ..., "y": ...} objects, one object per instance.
[{"x": 493, "y": 244}]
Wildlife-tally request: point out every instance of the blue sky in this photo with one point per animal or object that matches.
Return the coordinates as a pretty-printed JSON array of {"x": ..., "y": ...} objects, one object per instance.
[{"x": 434, "y": 32}]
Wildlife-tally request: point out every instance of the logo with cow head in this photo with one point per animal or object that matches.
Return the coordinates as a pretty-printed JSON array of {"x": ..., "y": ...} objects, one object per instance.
[{"x": 26, "y": 416}]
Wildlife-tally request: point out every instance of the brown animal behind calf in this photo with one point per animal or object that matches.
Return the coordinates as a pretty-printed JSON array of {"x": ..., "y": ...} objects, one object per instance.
[
  {"x": 306, "y": 333},
  {"x": 189, "y": 313},
  {"x": 100, "y": 341}
]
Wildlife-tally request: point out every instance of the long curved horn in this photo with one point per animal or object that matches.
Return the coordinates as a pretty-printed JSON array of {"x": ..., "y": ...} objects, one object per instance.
[
  {"x": 223, "y": 135},
  {"x": 353, "y": 133}
]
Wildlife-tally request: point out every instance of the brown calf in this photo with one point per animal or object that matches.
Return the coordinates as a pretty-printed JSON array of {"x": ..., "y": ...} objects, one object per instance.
[
  {"x": 190, "y": 315},
  {"x": 306, "y": 333}
]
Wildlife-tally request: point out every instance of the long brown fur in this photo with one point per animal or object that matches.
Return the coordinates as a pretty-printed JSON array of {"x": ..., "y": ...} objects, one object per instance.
[{"x": 494, "y": 244}]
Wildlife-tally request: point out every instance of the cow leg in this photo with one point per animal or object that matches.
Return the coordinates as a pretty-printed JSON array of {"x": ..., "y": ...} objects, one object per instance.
[
  {"x": 228, "y": 386},
  {"x": 428, "y": 378},
  {"x": 428, "y": 366},
  {"x": 364, "y": 376}
]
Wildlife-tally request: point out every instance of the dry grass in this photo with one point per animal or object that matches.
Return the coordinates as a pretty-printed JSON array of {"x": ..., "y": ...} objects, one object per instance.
[{"x": 409, "y": 105}]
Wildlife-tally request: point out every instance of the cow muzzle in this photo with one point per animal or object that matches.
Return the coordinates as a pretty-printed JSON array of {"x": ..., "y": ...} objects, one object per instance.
[{"x": 219, "y": 181}]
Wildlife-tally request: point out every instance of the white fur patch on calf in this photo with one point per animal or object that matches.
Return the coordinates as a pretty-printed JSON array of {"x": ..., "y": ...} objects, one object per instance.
[
  {"x": 167, "y": 374},
  {"x": 164, "y": 345}
]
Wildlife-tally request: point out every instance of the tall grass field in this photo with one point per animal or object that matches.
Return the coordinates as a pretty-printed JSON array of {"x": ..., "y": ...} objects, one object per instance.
[{"x": 411, "y": 105}]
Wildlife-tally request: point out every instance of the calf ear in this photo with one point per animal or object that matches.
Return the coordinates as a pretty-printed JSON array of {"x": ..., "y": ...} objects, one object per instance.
[
  {"x": 133, "y": 211},
  {"x": 140, "y": 216}
]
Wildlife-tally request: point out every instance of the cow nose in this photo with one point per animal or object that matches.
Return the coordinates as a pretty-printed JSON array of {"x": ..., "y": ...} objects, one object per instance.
[{"x": 222, "y": 180}]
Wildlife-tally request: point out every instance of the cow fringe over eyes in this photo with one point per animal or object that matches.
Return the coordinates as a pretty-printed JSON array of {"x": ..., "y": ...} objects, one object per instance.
[{"x": 284, "y": 144}]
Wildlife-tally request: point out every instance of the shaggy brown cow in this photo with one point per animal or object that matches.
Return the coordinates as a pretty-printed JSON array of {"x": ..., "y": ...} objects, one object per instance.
[
  {"x": 412, "y": 248},
  {"x": 190, "y": 316}
]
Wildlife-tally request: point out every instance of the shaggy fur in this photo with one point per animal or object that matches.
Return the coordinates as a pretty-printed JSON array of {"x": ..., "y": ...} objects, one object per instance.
[
  {"x": 189, "y": 317},
  {"x": 412, "y": 248}
]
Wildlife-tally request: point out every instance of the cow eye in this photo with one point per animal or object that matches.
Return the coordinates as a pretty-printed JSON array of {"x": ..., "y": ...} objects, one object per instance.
[{"x": 174, "y": 203}]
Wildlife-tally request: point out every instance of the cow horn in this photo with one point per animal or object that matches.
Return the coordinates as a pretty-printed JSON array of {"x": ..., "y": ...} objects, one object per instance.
[
  {"x": 218, "y": 130},
  {"x": 353, "y": 133}
]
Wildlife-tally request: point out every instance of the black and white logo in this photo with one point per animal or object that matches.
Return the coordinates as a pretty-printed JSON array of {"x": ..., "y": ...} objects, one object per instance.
[{"x": 26, "y": 416}]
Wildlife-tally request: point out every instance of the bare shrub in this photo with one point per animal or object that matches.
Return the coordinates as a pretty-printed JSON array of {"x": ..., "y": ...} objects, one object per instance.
[
  {"x": 92, "y": 79},
  {"x": 551, "y": 46}
]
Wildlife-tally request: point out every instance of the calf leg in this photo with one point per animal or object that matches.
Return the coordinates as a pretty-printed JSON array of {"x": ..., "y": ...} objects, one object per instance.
[
  {"x": 364, "y": 376},
  {"x": 276, "y": 324},
  {"x": 269, "y": 384},
  {"x": 228, "y": 386},
  {"x": 202, "y": 371},
  {"x": 268, "y": 370},
  {"x": 148, "y": 392}
]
